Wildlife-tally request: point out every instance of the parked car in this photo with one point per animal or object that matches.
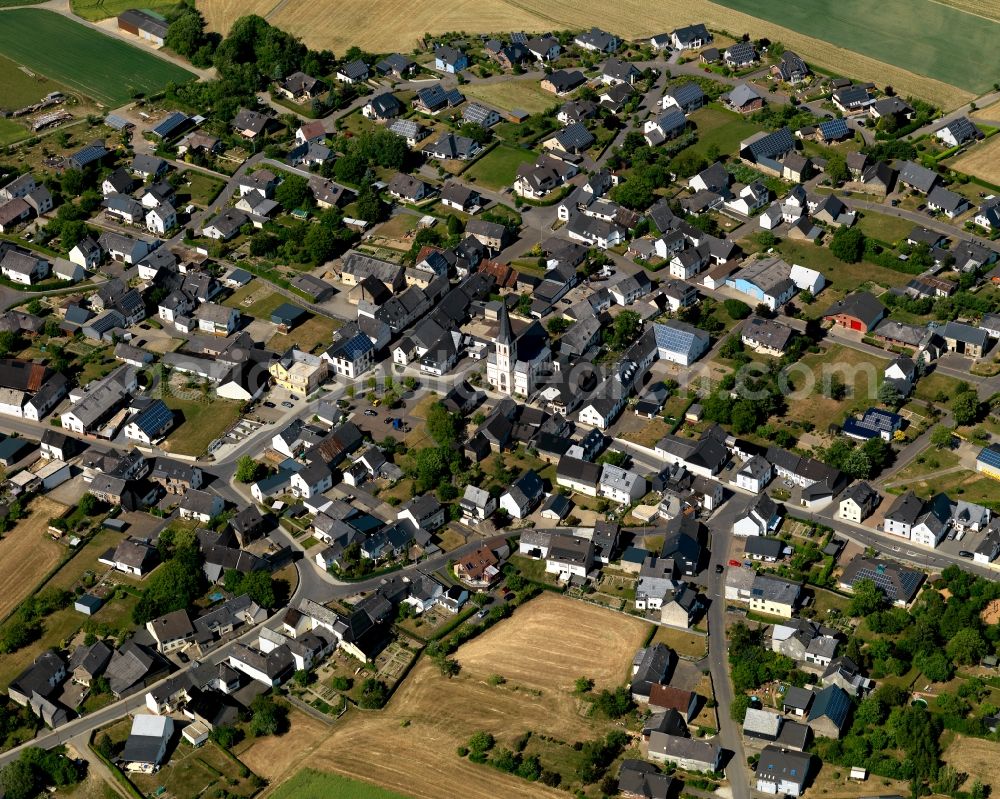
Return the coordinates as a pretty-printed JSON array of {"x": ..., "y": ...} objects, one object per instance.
[
  {"x": 287, "y": 404},
  {"x": 719, "y": 568},
  {"x": 964, "y": 553},
  {"x": 269, "y": 404},
  {"x": 370, "y": 412},
  {"x": 735, "y": 563}
]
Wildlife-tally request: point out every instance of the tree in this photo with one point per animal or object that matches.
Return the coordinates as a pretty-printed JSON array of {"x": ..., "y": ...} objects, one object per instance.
[
  {"x": 836, "y": 169},
  {"x": 867, "y": 599},
  {"x": 636, "y": 193},
  {"x": 965, "y": 408},
  {"x": 848, "y": 244},
  {"x": 583, "y": 685},
  {"x": 558, "y": 325},
  {"x": 738, "y": 709},
  {"x": 625, "y": 329},
  {"x": 293, "y": 192},
  {"x": 370, "y": 206},
  {"x": 966, "y": 648},
  {"x": 258, "y": 585},
  {"x": 267, "y": 717},
  {"x": 942, "y": 436},
  {"x": 247, "y": 469},
  {"x": 186, "y": 33},
  {"x": 72, "y": 182},
  {"x": 442, "y": 425},
  {"x": 889, "y": 395},
  {"x": 737, "y": 309},
  {"x": 374, "y": 694}
]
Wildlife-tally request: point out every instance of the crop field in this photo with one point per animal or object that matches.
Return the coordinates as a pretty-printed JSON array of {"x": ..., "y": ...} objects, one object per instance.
[
  {"x": 28, "y": 553},
  {"x": 922, "y": 36},
  {"x": 540, "y": 652},
  {"x": 989, "y": 9},
  {"x": 982, "y": 160},
  {"x": 99, "y": 66},
  {"x": 327, "y": 23},
  {"x": 95, "y": 10},
  {"x": 18, "y": 88},
  {"x": 312, "y": 784}
]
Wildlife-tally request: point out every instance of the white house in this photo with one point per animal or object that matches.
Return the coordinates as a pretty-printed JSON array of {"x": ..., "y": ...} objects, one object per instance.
[
  {"x": 762, "y": 518},
  {"x": 161, "y": 219},
  {"x": 313, "y": 479},
  {"x": 754, "y": 474}
]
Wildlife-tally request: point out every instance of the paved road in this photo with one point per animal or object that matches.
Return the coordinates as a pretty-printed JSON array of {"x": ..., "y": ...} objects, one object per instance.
[{"x": 730, "y": 732}]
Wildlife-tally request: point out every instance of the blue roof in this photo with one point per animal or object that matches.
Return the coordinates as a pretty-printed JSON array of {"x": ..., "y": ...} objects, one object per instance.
[
  {"x": 834, "y": 129},
  {"x": 990, "y": 456},
  {"x": 634, "y": 555},
  {"x": 170, "y": 124}
]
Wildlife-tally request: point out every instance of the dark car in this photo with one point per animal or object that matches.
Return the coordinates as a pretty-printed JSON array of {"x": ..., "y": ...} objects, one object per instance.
[
  {"x": 964, "y": 553},
  {"x": 508, "y": 597},
  {"x": 269, "y": 404},
  {"x": 719, "y": 568}
]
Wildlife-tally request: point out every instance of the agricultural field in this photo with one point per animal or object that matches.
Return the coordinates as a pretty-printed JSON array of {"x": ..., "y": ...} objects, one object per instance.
[
  {"x": 982, "y": 160},
  {"x": 899, "y": 29},
  {"x": 312, "y": 784},
  {"x": 29, "y": 553},
  {"x": 513, "y": 93},
  {"x": 988, "y": 9},
  {"x": 498, "y": 168},
  {"x": 18, "y": 88},
  {"x": 96, "y": 10},
  {"x": 326, "y": 24},
  {"x": 99, "y": 66},
  {"x": 540, "y": 652}
]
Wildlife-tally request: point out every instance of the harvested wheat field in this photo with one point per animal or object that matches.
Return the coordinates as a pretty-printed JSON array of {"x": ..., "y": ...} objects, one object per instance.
[
  {"x": 553, "y": 640},
  {"x": 975, "y": 757},
  {"x": 981, "y": 160},
  {"x": 987, "y": 9},
  {"x": 272, "y": 757},
  {"x": 28, "y": 553},
  {"x": 540, "y": 652},
  {"x": 326, "y": 24}
]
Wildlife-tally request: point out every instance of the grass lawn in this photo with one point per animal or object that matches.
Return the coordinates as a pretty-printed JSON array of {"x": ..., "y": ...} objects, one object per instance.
[
  {"x": 826, "y": 601},
  {"x": 858, "y": 371},
  {"x": 963, "y": 484},
  {"x": 498, "y": 168},
  {"x": 934, "y": 384},
  {"x": 508, "y": 95},
  {"x": 314, "y": 332},
  {"x": 192, "y": 772},
  {"x": 725, "y": 129},
  {"x": 311, "y": 784},
  {"x": 101, "y": 67},
  {"x": 201, "y": 188},
  {"x": 95, "y": 10},
  {"x": 841, "y": 278},
  {"x": 531, "y": 569},
  {"x": 203, "y": 422},
  {"x": 889, "y": 229},
  {"x": 922, "y": 36},
  {"x": 930, "y": 460},
  {"x": 682, "y": 642},
  {"x": 255, "y": 299}
]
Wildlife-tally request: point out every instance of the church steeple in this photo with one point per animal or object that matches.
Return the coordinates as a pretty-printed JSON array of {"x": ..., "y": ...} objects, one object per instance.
[{"x": 505, "y": 353}]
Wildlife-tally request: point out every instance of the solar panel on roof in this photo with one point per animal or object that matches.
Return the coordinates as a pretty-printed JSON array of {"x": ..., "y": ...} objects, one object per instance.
[
  {"x": 519, "y": 38},
  {"x": 834, "y": 128},
  {"x": 455, "y": 97},
  {"x": 170, "y": 124}
]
